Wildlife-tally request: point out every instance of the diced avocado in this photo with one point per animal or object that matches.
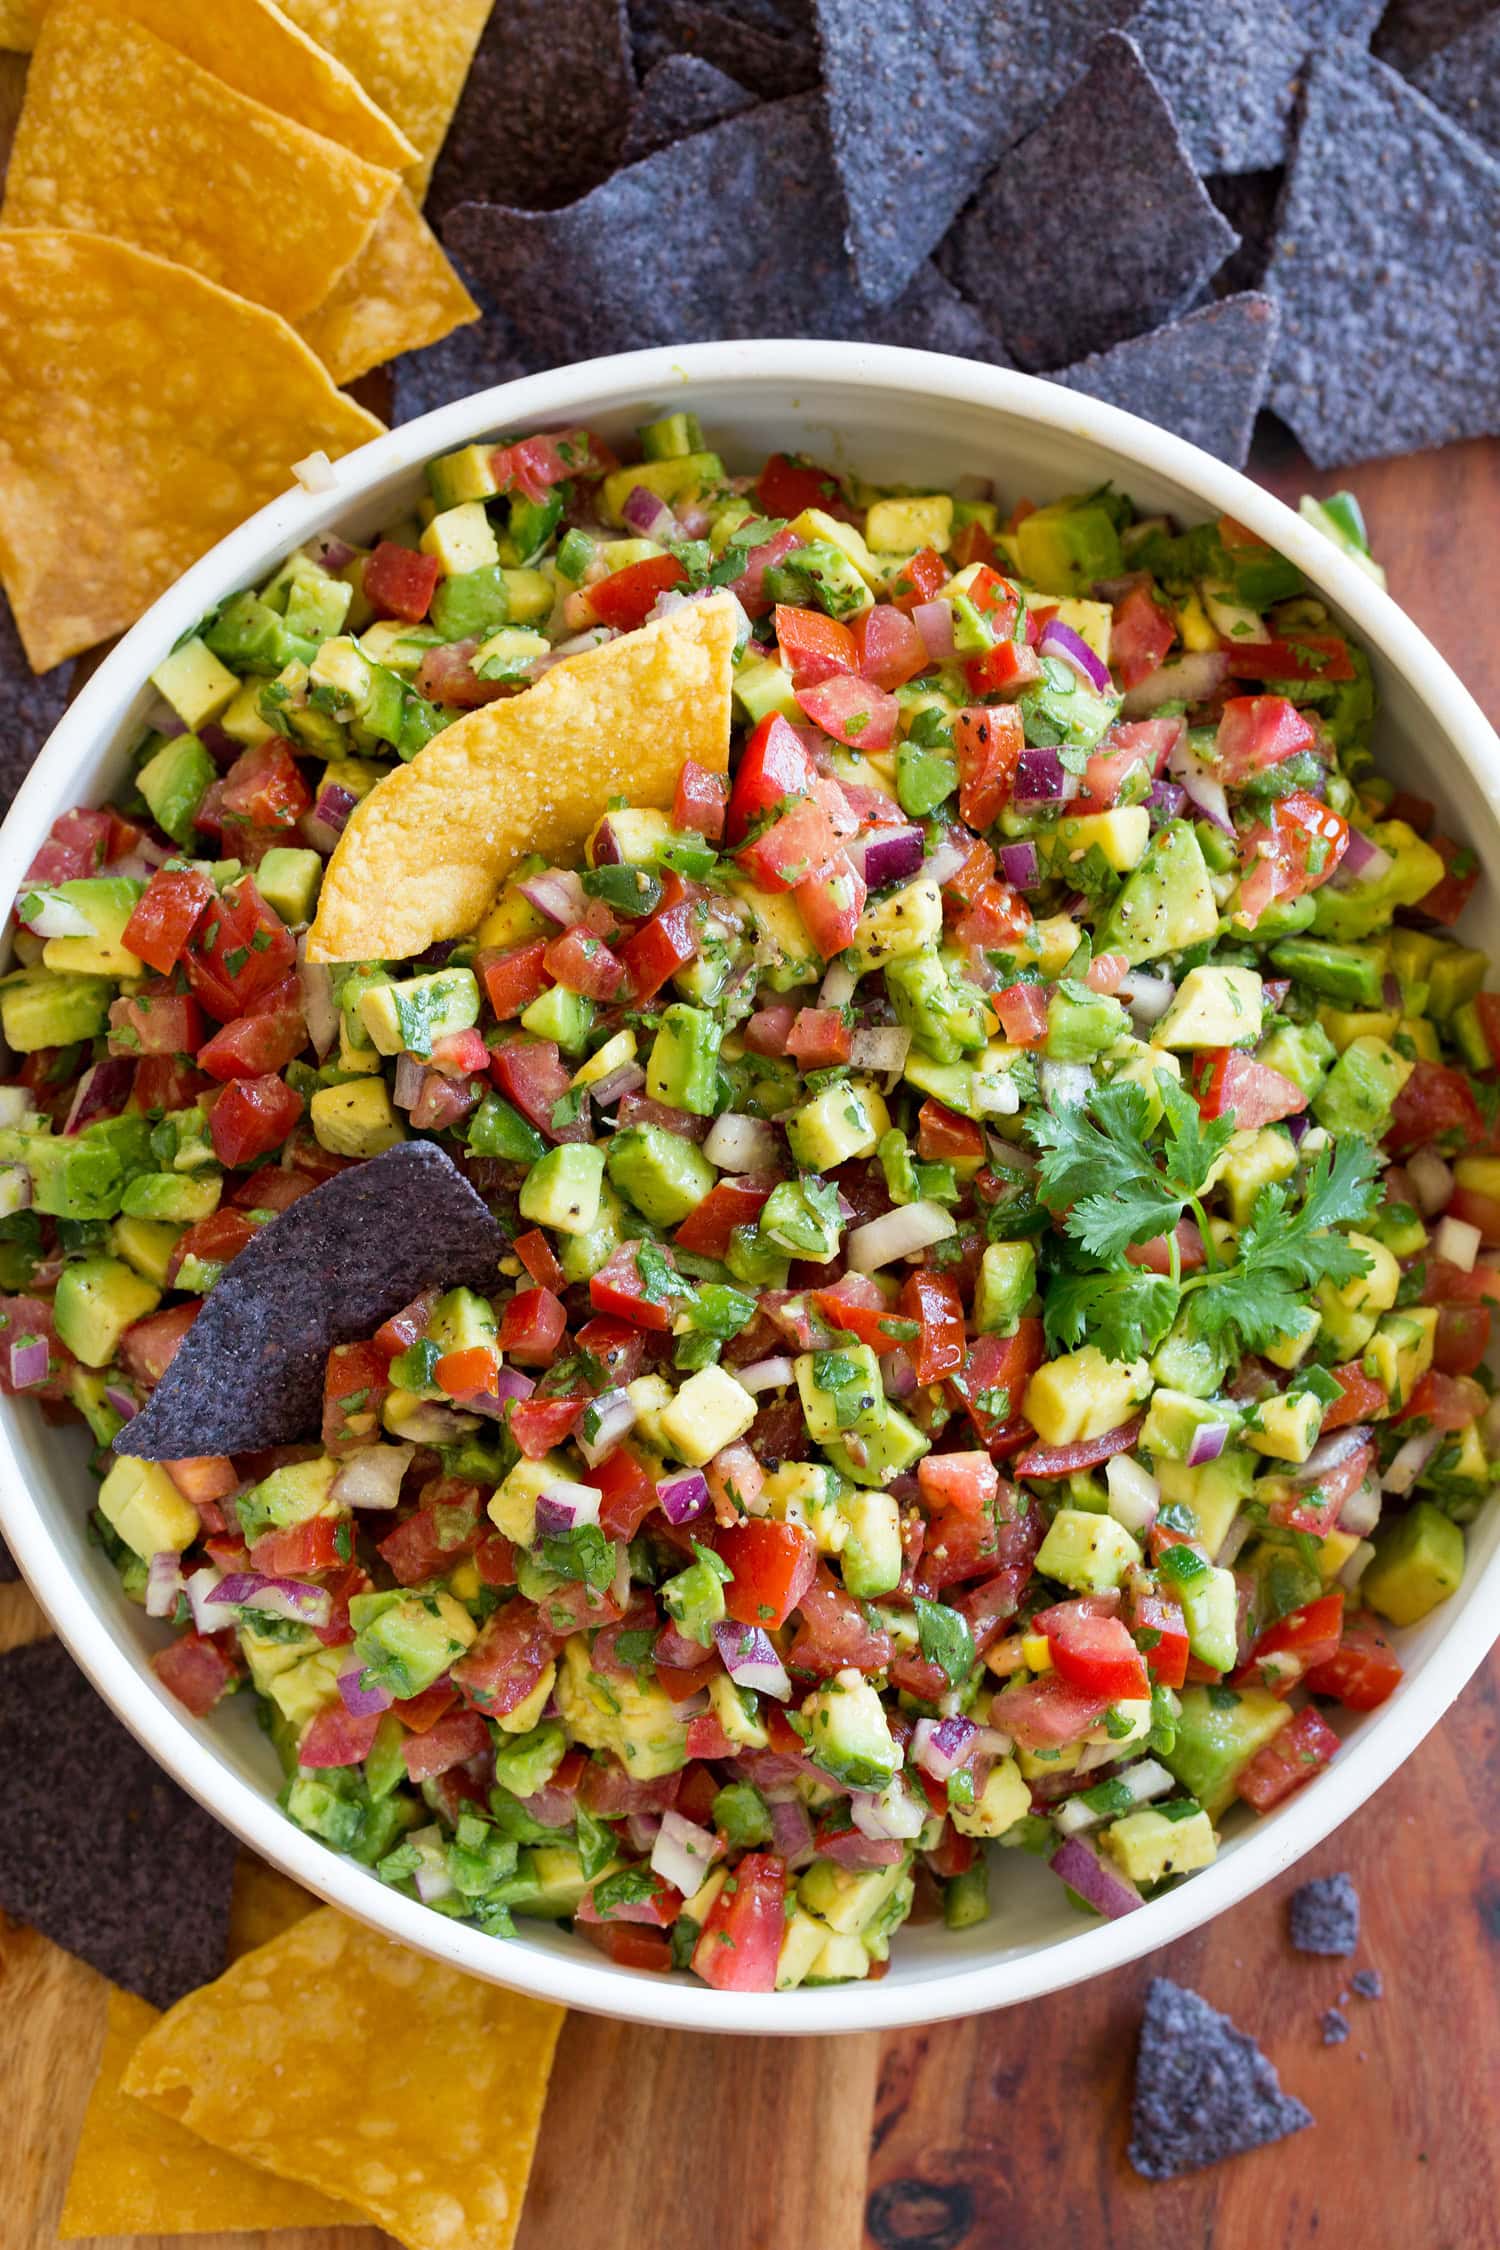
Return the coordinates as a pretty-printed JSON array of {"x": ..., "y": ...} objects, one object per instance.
[
  {"x": 1219, "y": 1730},
  {"x": 289, "y": 880},
  {"x": 900, "y": 527},
  {"x": 1213, "y": 1492},
  {"x": 471, "y": 605},
  {"x": 1367, "y": 903},
  {"x": 1255, "y": 1160},
  {"x": 1166, "y": 903},
  {"x": 253, "y": 637},
  {"x": 412, "y": 1014},
  {"x": 843, "y": 1121},
  {"x": 802, "y": 1944},
  {"x": 678, "y": 477},
  {"x": 147, "y": 1245},
  {"x": 631, "y": 1717},
  {"x": 1455, "y": 975},
  {"x": 407, "y": 1640},
  {"x": 1082, "y": 1394},
  {"x": 1301, "y": 1052},
  {"x": 673, "y": 438},
  {"x": 841, "y": 1392},
  {"x": 1122, "y": 836},
  {"x": 356, "y": 1120},
  {"x": 174, "y": 783},
  {"x": 468, "y": 474},
  {"x": 908, "y": 921},
  {"x": 1186, "y": 1362},
  {"x": 460, "y": 1321},
  {"x": 709, "y": 1412},
  {"x": 562, "y": 1188},
  {"x": 1358, "y": 1093},
  {"x": 1353, "y": 976},
  {"x": 1213, "y": 1008},
  {"x": 847, "y": 1734},
  {"x": 512, "y": 1507},
  {"x": 556, "y": 1872},
  {"x": 683, "y": 1068},
  {"x": 462, "y": 538},
  {"x": 847, "y": 1900},
  {"x": 872, "y": 1559},
  {"x": 509, "y": 653},
  {"x": 581, "y": 1255},
  {"x": 735, "y": 1710},
  {"x": 1399, "y": 1227},
  {"x": 884, "y": 1454},
  {"x": 663, "y": 1176},
  {"x": 1285, "y": 1428},
  {"x": 694, "y": 1600},
  {"x": 801, "y": 1218},
  {"x": 824, "y": 574},
  {"x": 243, "y": 721},
  {"x": 944, "y": 1021},
  {"x": 1081, "y": 1024},
  {"x": 1419, "y": 1562},
  {"x": 107, "y": 903},
  {"x": 181, "y": 1198},
  {"x": 97, "y": 1300},
  {"x": 195, "y": 683},
  {"x": 1087, "y": 1552},
  {"x": 565, "y": 1017},
  {"x": 977, "y": 1087},
  {"x": 1345, "y": 1025},
  {"x": 141, "y": 1504},
  {"x": 289, "y": 1495},
  {"x": 764, "y": 689},
  {"x": 1293, "y": 1344},
  {"x": 1400, "y": 1352},
  {"x": 1175, "y": 1418},
  {"x": 307, "y": 1687},
  {"x": 1061, "y": 707},
  {"x": 1006, "y": 1285},
  {"x": 317, "y": 605},
  {"x": 39, "y": 1008},
  {"x": 1004, "y": 1799},
  {"x": 1064, "y": 547},
  {"x": 1149, "y": 1845}
]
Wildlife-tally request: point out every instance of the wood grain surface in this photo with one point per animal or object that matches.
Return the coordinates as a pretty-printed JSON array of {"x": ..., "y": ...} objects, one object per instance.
[{"x": 1007, "y": 2132}]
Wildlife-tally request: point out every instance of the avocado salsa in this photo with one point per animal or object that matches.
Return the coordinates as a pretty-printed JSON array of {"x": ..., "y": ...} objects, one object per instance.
[{"x": 1002, "y": 1190}]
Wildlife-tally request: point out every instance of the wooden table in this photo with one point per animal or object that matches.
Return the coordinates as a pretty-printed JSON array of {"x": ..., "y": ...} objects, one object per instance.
[{"x": 1007, "y": 2132}]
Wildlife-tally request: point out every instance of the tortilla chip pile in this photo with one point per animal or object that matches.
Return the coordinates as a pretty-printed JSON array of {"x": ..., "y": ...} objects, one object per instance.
[{"x": 210, "y": 221}]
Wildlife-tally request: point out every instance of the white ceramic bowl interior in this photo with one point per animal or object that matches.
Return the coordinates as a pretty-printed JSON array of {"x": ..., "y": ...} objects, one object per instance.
[{"x": 902, "y": 416}]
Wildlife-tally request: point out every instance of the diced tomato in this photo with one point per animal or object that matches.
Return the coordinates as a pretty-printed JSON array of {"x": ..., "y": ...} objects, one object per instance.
[
  {"x": 535, "y": 1253},
  {"x": 888, "y": 648},
  {"x": 813, "y": 647},
  {"x": 204, "y": 1478},
  {"x": 700, "y": 802},
  {"x": 155, "y": 1021},
  {"x": 1022, "y": 1009},
  {"x": 834, "y": 1632},
  {"x": 972, "y": 544},
  {"x": 944, "y": 1136},
  {"x": 627, "y": 597},
  {"x": 446, "y": 674},
  {"x": 401, "y": 1331},
  {"x": 627, "y": 1492},
  {"x": 741, "y": 1941},
  {"x": 251, "y": 1117},
  {"x": 1362, "y": 1671},
  {"x": 969, "y": 883},
  {"x": 1462, "y": 1341},
  {"x": 1293, "y": 851},
  {"x": 1477, "y": 1210},
  {"x": 819, "y": 1038},
  {"x": 419, "y": 1713},
  {"x": 164, "y": 1082},
  {"x": 1048, "y": 1711},
  {"x": 997, "y": 1365},
  {"x": 858, "y": 1306},
  {"x": 356, "y": 1383},
  {"x": 513, "y": 980},
  {"x": 533, "y": 465},
  {"x": 468, "y": 1374},
  {"x": 619, "y": 1348},
  {"x": 264, "y": 1039},
  {"x": 1257, "y": 731},
  {"x": 729, "y": 1204},
  {"x": 1434, "y": 1106},
  {"x": 852, "y": 711},
  {"x": 239, "y": 949},
  {"x": 1447, "y": 1284},
  {"x": 1363, "y": 1398},
  {"x": 1446, "y": 1402},
  {"x": 998, "y": 917},
  {"x": 987, "y": 743},
  {"x": 264, "y": 788},
  {"x": 788, "y": 484},
  {"x": 458, "y": 1736},
  {"x": 148, "y": 1346},
  {"x": 532, "y": 1326},
  {"x": 782, "y": 855},
  {"x": 197, "y": 1668},
  {"x": 1308, "y": 656},
  {"x": 629, "y": 1946},
  {"x": 1256, "y": 1094},
  {"x": 965, "y": 1482},
  {"x": 1156, "y": 1254},
  {"x": 830, "y": 903},
  {"x": 617, "y": 1289},
  {"x": 773, "y": 1566},
  {"x": 768, "y": 1030},
  {"x": 539, "y": 1424},
  {"x": 495, "y": 1560},
  {"x": 920, "y": 579},
  {"x": 1092, "y": 1652},
  {"x": 214, "y": 1240},
  {"x": 933, "y": 1300},
  {"x": 665, "y": 943},
  {"x": 1088, "y": 1453},
  {"x": 77, "y": 844},
  {"x": 1311, "y": 1634},
  {"x": 532, "y": 1074},
  {"x": 499, "y": 1670},
  {"x": 446, "y": 1525},
  {"x": 584, "y": 963},
  {"x": 337, "y": 1738},
  {"x": 164, "y": 915},
  {"x": 1291, "y": 1758},
  {"x": 319, "y": 1543},
  {"x": 1141, "y": 633},
  {"x": 1160, "y": 1630},
  {"x": 400, "y": 582},
  {"x": 1447, "y": 899},
  {"x": 1004, "y": 670}
]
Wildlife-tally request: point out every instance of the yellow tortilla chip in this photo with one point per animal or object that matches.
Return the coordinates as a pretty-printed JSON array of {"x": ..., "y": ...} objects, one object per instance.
[
  {"x": 256, "y": 49},
  {"x": 336, "y": 2057},
  {"x": 265, "y": 1902},
  {"x": 137, "y": 2171},
  {"x": 422, "y": 854},
  {"x": 122, "y": 135},
  {"x": 399, "y": 295},
  {"x": 410, "y": 56},
  {"x": 19, "y": 23},
  {"x": 143, "y": 414}
]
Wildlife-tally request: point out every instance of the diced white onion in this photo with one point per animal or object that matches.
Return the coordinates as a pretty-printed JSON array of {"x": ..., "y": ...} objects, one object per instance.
[
  {"x": 1356, "y": 1566},
  {"x": 895, "y": 1812},
  {"x": 837, "y": 988},
  {"x": 314, "y": 472},
  {"x": 1458, "y": 1242},
  {"x": 884, "y": 1047},
  {"x": 1134, "y": 1497},
  {"x": 1432, "y": 1181},
  {"x": 15, "y": 1105},
  {"x": 1410, "y": 1462},
  {"x": 1146, "y": 1781},
  {"x": 898, "y": 1234},
  {"x": 996, "y": 1094},
  {"x": 371, "y": 1476},
  {"x": 683, "y": 1853},
  {"x": 740, "y": 1144},
  {"x": 48, "y": 914},
  {"x": 1360, "y": 1512}
]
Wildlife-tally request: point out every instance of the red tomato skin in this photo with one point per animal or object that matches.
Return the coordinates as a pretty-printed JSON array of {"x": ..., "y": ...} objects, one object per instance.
[
  {"x": 701, "y": 801},
  {"x": 501, "y": 1668},
  {"x": 1257, "y": 1094},
  {"x": 1047, "y": 1711},
  {"x": 1435, "y": 1105},
  {"x": 888, "y": 648},
  {"x": 155, "y": 1021},
  {"x": 251, "y": 1117},
  {"x": 264, "y": 788},
  {"x": 216, "y": 1239},
  {"x": 773, "y": 1566},
  {"x": 532, "y": 1326},
  {"x": 787, "y": 485},
  {"x": 197, "y": 1668},
  {"x": 513, "y": 980},
  {"x": 165, "y": 915},
  {"x": 1362, "y": 1671},
  {"x": 263, "y": 1040},
  {"x": 238, "y": 950},
  {"x": 852, "y": 711},
  {"x": 1363, "y": 1397},
  {"x": 1462, "y": 1342},
  {"x": 920, "y": 579},
  {"x": 819, "y": 1038},
  {"x": 584, "y": 964},
  {"x": 729, "y": 1204},
  {"x": 813, "y": 647},
  {"x": 627, "y": 1493},
  {"x": 1257, "y": 731},
  {"x": 399, "y": 582},
  {"x": 997, "y": 1363},
  {"x": 616, "y": 1289},
  {"x": 779, "y": 857},
  {"x": 455, "y": 1738},
  {"x": 148, "y": 1346},
  {"x": 933, "y": 1300},
  {"x": 1288, "y": 1761},
  {"x": 830, "y": 903},
  {"x": 1141, "y": 634},
  {"x": 1022, "y": 1009},
  {"x": 1096, "y": 1654},
  {"x": 741, "y": 1941},
  {"x": 356, "y": 1383},
  {"x": 987, "y": 743},
  {"x": 773, "y": 766},
  {"x": 1447, "y": 899},
  {"x": 627, "y": 597}
]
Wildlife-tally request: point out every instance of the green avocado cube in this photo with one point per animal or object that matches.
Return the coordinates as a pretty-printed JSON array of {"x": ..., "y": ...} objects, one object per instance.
[
  {"x": 97, "y": 1299},
  {"x": 174, "y": 784},
  {"x": 290, "y": 1495},
  {"x": 411, "y": 1014},
  {"x": 1086, "y": 1552},
  {"x": 461, "y": 1321},
  {"x": 1064, "y": 547},
  {"x": 408, "y": 1640},
  {"x": 847, "y": 1736},
  {"x": 683, "y": 1069},
  {"x": 883, "y": 1454},
  {"x": 1358, "y": 1093},
  {"x": 289, "y": 879},
  {"x": 1166, "y": 903},
  {"x": 141, "y": 1504},
  {"x": 562, "y": 1189},
  {"x": 841, "y": 1391},
  {"x": 1006, "y": 1285},
  {"x": 1419, "y": 1562},
  {"x": 663, "y": 1176},
  {"x": 466, "y": 475},
  {"x": 195, "y": 683},
  {"x": 179, "y": 1198},
  {"x": 1219, "y": 1730},
  {"x": 565, "y": 1017},
  {"x": 471, "y": 605},
  {"x": 833, "y": 1127},
  {"x": 581, "y": 1255},
  {"x": 871, "y": 1557},
  {"x": 106, "y": 902},
  {"x": 39, "y": 1008},
  {"x": 1351, "y": 975},
  {"x": 1302, "y": 1052}
]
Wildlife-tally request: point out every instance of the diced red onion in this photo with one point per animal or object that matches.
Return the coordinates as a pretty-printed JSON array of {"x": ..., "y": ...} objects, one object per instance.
[
  {"x": 1042, "y": 779},
  {"x": 740, "y": 1144},
  {"x": 1432, "y": 1181},
  {"x": 1061, "y": 640},
  {"x": 163, "y": 1583},
  {"x": 330, "y": 552},
  {"x": 792, "y": 1832},
  {"x": 1390, "y": 991},
  {"x": 892, "y": 855},
  {"x": 1019, "y": 865},
  {"x": 1193, "y": 678},
  {"x": 295, "y": 1599},
  {"x": 1167, "y": 798},
  {"x": 1362, "y": 862},
  {"x": 628, "y": 1078},
  {"x": 934, "y": 621},
  {"x": 1333, "y": 1451},
  {"x": 371, "y": 1477},
  {"x": 607, "y": 1419},
  {"x": 851, "y": 1847},
  {"x": 683, "y": 1497},
  {"x": 1206, "y": 796},
  {"x": 432, "y": 1880},
  {"x": 319, "y": 1007},
  {"x": 1208, "y": 1442},
  {"x": 765, "y": 1375},
  {"x": 649, "y": 517},
  {"x": 751, "y": 1661},
  {"x": 53, "y": 916},
  {"x": 30, "y": 1360},
  {"x": 102, "y": 1091},
  {"x": 564, "y": 1507},
  {"x": 334, "y": 805},
  {"x": 409, "y": 1080},
  {"x": 898, "y": 1375},
  {"x": 1409, "y": 1463},
  {"x": 897, "y": 1234},
  {"x": 1098, "y": 1884},
  {"x": 210, "y": 1615},
  {"x": 1234, "y": 1538},
  {"x": 941, "y": 1746},
  {"x": 125, "y": 1403},
  {"x": 1134, "y": 1497},
  {"x": 558, "y": 893},
  {"x": 509, "y": 1382},
  {"x": 894, "y": 1812},
  {"x": 1147, "y": 997},
  {"x": 1360, "y": 1510},
  {"x": 883, "y": 1047},
  {"x": 363, "y": 1702}
]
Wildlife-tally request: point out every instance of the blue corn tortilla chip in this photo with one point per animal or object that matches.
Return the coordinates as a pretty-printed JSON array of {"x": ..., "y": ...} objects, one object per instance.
[
  {"x": 689, "y": 245},
  {"x": 30, "y": 707},
  {"x": 922, "y": 100},
  {"x": 1203, "y": 2089},
  {"x": 1387, "y": 271},
  {"x": 1323, "y": 1916},
  {"x": 1135, "y": 236},
  {"x": 755, "y": 46},
  {"x": 1335, "y": 2027},
  {"x": 1203, "y": 376},
  {"x": 1367, "y": 1983},
  {"x": 1464, "y": 81},
  {"x": 1249, "y": 201},
  {"x": 99, "y": 1850},
  {"x": 544, "y": 109},
  {"x": 1411, "y": 30},
  {"x": 1232, "y": 74},
  {"x": 329, "y": 1270},
  {"x": 473, "y": 358},
  {"x": 682, "y": 95}
]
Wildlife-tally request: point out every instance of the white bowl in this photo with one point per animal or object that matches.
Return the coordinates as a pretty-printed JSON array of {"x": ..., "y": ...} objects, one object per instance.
[{"x": 905, "y": 416}]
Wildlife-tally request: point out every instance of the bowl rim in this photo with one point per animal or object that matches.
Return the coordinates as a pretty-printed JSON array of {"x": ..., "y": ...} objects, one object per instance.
[{"x": 184, "y": 1747}]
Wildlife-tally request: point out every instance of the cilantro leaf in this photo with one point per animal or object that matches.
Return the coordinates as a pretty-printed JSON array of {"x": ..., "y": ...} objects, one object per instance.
[
  {"x": 1125, "y": 1312},
  {"x": 1095, "y": 1161},
  {"x": 1193, "y": 1145},
  {"x": 1282, "y": 1254},
  {"x": 945, "y": 1639}
]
